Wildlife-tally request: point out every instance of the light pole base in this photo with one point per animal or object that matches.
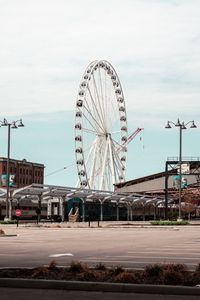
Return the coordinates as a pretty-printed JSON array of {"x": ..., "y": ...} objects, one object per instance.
[{"x": 6, "y": 219}]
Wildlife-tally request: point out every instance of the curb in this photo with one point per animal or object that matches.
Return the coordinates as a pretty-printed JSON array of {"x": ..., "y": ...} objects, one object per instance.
[{"x": 98, "y": 286}]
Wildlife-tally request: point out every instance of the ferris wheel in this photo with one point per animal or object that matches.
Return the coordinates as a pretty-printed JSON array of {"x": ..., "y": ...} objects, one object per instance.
[{"x": 100, "y": 128}]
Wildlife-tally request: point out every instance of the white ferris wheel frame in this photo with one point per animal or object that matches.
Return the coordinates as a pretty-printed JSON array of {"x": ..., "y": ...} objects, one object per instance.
[{"x": 100, "y": 107}]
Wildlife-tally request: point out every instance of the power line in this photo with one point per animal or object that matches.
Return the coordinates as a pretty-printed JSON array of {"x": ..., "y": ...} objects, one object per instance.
[{"x": 59, "y": 170}]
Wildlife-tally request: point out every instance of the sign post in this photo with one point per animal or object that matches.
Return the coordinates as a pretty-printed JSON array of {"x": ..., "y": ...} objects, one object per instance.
[{"x": 18, "y": 214}]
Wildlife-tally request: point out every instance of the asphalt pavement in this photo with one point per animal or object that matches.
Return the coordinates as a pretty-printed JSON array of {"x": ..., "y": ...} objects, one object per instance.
[
  {"x": 128, "y": 246},
  {"x": 40, "y": 294}
]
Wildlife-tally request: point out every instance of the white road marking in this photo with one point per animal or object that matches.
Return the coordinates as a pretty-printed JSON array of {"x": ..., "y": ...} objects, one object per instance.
[
  {"x": 167, "y": 251},
  {"x": 150, "y": 257},
  {"x": 132, "y": 262},
  {"x": 61, "y": 254}
]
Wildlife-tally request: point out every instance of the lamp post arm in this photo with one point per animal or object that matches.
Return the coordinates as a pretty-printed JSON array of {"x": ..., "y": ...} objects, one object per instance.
[
  {"x": 188, "y": 123},
  {"x": 170, "y": 122}
]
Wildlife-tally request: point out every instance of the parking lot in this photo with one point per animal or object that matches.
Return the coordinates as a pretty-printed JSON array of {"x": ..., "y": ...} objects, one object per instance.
[{"x": 127, "y": 246}]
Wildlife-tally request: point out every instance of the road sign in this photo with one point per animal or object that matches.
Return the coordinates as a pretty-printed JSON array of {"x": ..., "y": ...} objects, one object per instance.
[{"x": 18, "y": 213}]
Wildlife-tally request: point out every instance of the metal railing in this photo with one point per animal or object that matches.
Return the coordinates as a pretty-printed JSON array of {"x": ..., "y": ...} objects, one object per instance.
[{"x": 184, "y": 158}]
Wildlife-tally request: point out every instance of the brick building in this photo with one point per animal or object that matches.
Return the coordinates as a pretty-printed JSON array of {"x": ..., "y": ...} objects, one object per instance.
[{"x": 22, "y": 172}]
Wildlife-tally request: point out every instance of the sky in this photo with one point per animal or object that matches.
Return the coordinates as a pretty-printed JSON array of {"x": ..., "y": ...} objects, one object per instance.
[{"x": 45, "y": 47}]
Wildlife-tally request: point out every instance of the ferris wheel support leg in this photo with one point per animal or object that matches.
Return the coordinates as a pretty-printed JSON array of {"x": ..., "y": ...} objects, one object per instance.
[
  {"x": 111, "y": 161},
  {"x": 103, "y": 168},
  {"x": 92, "y": 175}
]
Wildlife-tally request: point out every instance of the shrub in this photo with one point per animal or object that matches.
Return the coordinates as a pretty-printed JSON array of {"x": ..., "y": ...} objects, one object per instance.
[
  {"x": 125, "y": 277},
  {"x": 52, "y": 265},
  {"x": 90, "y": 275},
  {"x": 154, "y": 270},
  {"x": 40, "y": 272},
  {"x": 167, "y": 274},
  {"x": 9, "y": 222},
  {"x": 197, "y": 268},
  {"x": 196, "y": 276},
  {"x": 78, "y": 267},
  {"x": 172, "y": 277},
  {"x": 169, "y": 222},
  {"x": 100, "y": 267},
  {"x": 176, "y": 267},
  {"x": 117, "y": 270}
]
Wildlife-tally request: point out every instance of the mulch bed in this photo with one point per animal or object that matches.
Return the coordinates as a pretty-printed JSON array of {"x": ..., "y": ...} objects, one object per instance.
[{"x": 170, "y": 274}]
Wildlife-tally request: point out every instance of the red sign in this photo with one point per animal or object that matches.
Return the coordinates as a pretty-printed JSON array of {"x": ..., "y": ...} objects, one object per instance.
[{"x": 18, "y": 213}]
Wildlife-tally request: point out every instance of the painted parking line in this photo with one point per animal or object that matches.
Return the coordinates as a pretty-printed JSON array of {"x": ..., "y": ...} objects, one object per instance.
[
  {"x": 151, "y": 257},
  {"x": 138, "y": 263},
  {"x": 61, "y": 254},
  {"x": 134, "y": 263},
  {"x": 165, "y": 251}
]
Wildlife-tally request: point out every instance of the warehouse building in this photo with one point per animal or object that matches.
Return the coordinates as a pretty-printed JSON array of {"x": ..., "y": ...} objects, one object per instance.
[{"x": 21, "y": 172}]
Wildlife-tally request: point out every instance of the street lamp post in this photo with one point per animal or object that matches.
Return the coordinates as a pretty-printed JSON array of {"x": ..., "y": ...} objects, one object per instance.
[
  {"x": 181, "y": 127},
  {"x": 14, "y": 125}
]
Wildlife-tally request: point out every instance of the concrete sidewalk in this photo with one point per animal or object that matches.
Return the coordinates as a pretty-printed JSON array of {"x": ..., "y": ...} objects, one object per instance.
[{"x": 93, "y": 224}]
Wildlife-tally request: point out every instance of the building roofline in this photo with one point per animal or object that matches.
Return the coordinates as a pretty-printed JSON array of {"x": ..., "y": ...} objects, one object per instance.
[
  {"x": 22, "y": 161},
  {"x": 141, "y": 179}
]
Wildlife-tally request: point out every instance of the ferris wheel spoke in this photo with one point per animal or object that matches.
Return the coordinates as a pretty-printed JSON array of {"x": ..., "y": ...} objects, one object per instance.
[
  {"x": 118, "y": 146},
  {"x": 93, "y": 165},
  {"x": 103, "y": 167},
  {"x": 94, "y": 125},
  {"x": 95, "y": 102},
  {"x": 113, "y": 116},
  {"x": 102, "y": 96},
  {"x": 89, "y": 130},
  {"x": 90, "y": 154},
  {"x": 88, "y": 115},
  {"x": 112, "y": 162},
  {"x": 98, "y": 99},
  {"x": 96, "y": 112},
  {"x": 118, "y": 164},
  {"x": 95, "y": 120},
  {"x": 115, "y": 132},
  {"x": 105, "y": 91}
]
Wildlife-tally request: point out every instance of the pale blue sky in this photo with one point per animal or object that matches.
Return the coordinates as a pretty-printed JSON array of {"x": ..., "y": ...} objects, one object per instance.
[{"x": 45, "y": 46}]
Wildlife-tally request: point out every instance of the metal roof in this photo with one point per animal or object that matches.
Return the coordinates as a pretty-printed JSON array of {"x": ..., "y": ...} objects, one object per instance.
[{"x": 46, "y": 192}]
